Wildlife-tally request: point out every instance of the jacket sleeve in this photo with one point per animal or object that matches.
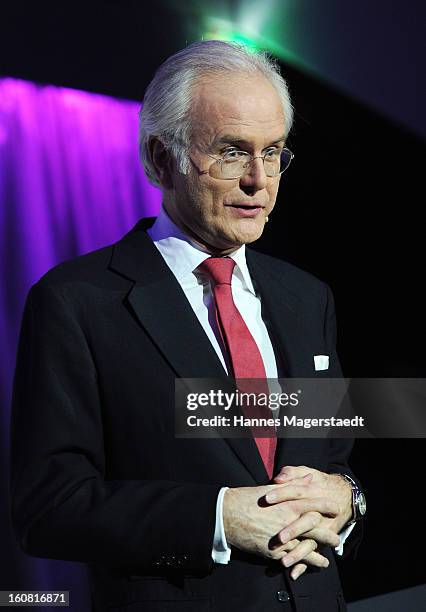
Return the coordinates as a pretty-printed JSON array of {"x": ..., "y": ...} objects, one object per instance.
[{"x": 62, "y": 506}]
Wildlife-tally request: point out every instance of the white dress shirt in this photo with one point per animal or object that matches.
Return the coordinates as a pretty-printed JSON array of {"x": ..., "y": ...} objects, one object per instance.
[{"x": 183, "y": 256}]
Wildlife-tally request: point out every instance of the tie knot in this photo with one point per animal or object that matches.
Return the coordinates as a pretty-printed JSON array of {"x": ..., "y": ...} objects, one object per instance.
[{"x": 219, "y": 269}]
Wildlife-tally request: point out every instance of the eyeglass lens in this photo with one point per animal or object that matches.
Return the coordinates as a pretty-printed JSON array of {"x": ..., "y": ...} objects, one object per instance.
[{"x": 238, "y": 165}]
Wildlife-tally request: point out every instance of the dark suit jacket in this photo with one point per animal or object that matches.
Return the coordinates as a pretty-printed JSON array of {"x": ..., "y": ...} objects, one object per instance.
[{"x": 97, "y": 473}]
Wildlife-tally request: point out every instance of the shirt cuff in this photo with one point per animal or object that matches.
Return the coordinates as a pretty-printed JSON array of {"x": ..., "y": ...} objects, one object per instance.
[
  {"x": 343, "y": 535},
  {"x": 221, "y": 553}
]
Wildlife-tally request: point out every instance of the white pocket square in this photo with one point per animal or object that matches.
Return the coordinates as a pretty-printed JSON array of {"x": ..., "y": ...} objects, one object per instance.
[{"x": 321, "y": 362}]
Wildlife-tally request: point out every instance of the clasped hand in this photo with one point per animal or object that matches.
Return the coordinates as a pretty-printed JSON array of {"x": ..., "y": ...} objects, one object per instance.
[{"x": 289, "y": 520}]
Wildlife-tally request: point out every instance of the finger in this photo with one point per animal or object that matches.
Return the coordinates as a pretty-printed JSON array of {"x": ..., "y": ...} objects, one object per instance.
[
  {"x": 289, "y": 472},
  {"x": 302, "y": 502},
  {"x": 290, "y": 544},
  {"x": 297, "y": 489},
  {"x": 301, "y": 551},
  {"x": 300, "y": 526},
  {"x": 298, "y": 570},
  {"x": 316, "y": 559},
  {"x": 297, "y": 480},
  {"x": 325, "y": 505},
  {"x": 322, "y": 535},
  {"x": 313, "y": 558}
]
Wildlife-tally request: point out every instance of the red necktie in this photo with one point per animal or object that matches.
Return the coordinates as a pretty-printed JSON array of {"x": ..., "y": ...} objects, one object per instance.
[{"x": 243, "y": 351}]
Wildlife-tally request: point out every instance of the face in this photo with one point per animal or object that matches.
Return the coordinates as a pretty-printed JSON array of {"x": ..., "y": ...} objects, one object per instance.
[{"x": 230, "y": 112}]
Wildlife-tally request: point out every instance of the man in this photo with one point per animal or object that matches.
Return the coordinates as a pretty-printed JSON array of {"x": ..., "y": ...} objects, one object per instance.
[{"x": 167, "y": 523}]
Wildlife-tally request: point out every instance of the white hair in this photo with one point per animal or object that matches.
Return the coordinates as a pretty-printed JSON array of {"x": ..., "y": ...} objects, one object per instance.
[{"x": 165, "y": 113}]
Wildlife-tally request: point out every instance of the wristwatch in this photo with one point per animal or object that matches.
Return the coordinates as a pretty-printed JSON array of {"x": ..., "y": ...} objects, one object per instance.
[{"x": 359, "y": 503}]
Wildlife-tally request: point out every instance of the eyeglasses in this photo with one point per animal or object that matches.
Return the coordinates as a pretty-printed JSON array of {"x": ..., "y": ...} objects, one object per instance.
[{"x": 234, "y": 164}]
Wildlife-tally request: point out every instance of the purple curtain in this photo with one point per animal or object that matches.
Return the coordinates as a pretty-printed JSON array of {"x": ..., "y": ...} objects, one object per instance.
[{"x": 70, "y": 182}]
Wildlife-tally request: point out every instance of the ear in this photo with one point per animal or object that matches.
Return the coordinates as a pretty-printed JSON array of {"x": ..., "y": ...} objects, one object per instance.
[{"x": 162, "y": 162}]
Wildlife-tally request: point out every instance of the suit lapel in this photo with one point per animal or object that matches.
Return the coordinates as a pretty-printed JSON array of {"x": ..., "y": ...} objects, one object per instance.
[
  {"x": 162, "y": 309},
  {"x": 281, "y": 308}
]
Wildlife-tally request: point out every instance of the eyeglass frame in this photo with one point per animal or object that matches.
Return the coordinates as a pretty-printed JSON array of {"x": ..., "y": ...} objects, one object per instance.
[{"x": 252, "y": 158}]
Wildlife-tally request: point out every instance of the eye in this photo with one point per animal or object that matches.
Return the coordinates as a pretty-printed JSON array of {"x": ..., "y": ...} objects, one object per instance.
[
  {"x": 232, "y": 154},
  {"x": 273, "y": 153}
]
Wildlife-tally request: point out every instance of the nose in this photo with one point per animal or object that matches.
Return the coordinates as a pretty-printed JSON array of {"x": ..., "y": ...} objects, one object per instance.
[{"x": 255, "y": 178}]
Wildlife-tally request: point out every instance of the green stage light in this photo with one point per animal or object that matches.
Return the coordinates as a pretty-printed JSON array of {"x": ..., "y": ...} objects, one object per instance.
[
  {"x": 256, "y": 30},
  {"x": 271, "y": 25},
  {"x": 221, "y": 29}
]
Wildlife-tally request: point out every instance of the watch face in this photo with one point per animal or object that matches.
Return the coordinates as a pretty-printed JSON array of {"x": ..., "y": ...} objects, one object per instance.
[{"x": 362, "y": 504}]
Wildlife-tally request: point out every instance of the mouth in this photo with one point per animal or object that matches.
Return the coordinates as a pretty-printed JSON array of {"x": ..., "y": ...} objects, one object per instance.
[
  {"x": 243, "y": 209},
  {"x": 246, "y": 205}
]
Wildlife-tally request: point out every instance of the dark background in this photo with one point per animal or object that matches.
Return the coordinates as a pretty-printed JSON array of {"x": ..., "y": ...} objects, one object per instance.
[{"x": 350, "y": 211}]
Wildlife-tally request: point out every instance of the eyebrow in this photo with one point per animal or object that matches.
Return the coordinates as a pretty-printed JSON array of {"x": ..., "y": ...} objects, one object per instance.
[{"x": 228, "y": 139}]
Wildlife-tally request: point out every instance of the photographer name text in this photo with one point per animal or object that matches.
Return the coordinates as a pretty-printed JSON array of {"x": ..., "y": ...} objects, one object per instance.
[{"x": 284, "y": 421}]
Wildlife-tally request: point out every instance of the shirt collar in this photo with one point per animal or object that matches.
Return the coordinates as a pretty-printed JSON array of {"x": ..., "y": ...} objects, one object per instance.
[{"x": 183, "y": 255}]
